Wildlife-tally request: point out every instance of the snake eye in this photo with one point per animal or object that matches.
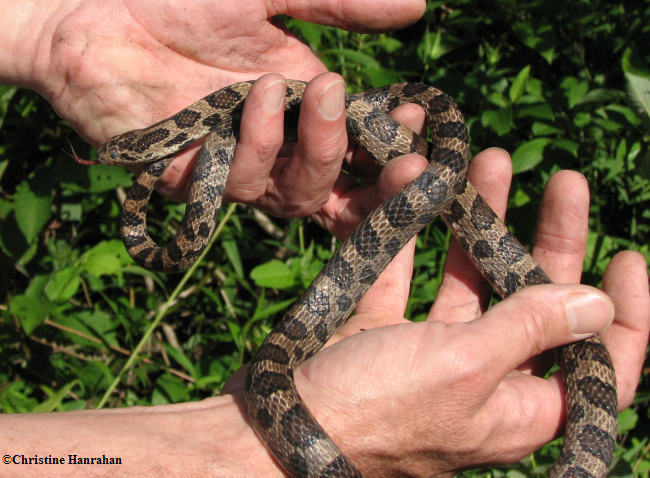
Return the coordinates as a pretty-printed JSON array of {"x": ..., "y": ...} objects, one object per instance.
[{"x": 113, "y": 155}]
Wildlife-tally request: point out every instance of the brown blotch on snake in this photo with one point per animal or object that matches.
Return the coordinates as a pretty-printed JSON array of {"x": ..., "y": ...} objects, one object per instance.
[{"x": 276, "y": 411}]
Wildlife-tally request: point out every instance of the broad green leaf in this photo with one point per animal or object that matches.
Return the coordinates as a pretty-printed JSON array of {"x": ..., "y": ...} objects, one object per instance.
[
  {"x": 309, "y": 32},
  {"x": 106, "y": 258},
  {"x": 438, "y": 47},
  {"x": 71, "y": 211},
  {"x": 567, "y": 145},
  {"x": 529, "y": 155},
  {"x": 106, "y": 178},
  {"x": 638, "y": 89},
  {"x": 91, "y": 323},
  {"x": 543, "y": 129},
  {"x": 391, "y": 45},
  {"x": 63, "y": 284},
  {"x": 541, "y": 111},
  {"x": 32, "y": 211},
  {"x": 637, "y": 78},
  {"x": 629, "y": 115},
  {"x": 30, "y": 311},
  {"x": 269, "y": 310},
  {"x": 273, "y": 274},
  {"x": 16, "y": 398},
  {"x": 627, "y": 420},
  {"x": 55, "y": 399},
  {"x": 582, "y": 119},
  {"x": 32, "y": 307},
  {"x": 355, "y": 56},
  {"x": 379, "y": 76},
  {"x": 500, "y": 121},
  {"x": 519, "y": 84},
  {"x": 519, "y": 198},
  {"x": 541, "y": 39}
]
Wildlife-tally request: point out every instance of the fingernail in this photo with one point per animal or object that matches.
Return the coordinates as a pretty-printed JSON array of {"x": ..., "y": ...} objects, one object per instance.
[
  {"x": 273, "y": 96},
  {"x": 332, "y": 100},
  {"x": 588, "y": 313}
]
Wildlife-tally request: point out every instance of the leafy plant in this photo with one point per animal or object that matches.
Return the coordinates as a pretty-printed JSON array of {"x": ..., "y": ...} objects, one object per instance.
[{"x": 558, "y": 84}]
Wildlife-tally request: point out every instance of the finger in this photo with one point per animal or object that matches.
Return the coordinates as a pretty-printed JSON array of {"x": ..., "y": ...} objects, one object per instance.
[
  {"x": 385, "y": 302},
  {"x": 626, "y": 282},
  {"x": 349, "y": 204},
  {"x": 517, "y": 409},
  {"x": 363, "y": 165},
  {"x": 463, "y": 293},
  {"x": 561, "y": 234},
  {"x": 364, "y": 15},
  {"x": 307, "y": 178},
  {"x": 536, "y": 319},
  {"x": 261, "y": 136}
]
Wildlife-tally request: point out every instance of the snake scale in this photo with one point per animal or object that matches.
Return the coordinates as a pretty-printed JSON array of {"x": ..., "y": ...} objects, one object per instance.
[{"x": 275, "y": 409}]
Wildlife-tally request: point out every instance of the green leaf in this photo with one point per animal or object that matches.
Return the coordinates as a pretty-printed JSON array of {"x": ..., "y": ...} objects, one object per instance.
[
  {"x": 541, "y": 39},
  {"x": 32, "y": 307},
  {"x": 106, "y": 178},
  {"x": 638, "y": 90},
  {"x": 92, "y": 323},
  {"x": 519, "y": 84},
  {"x": 181, "y": 359},
  {"x": 355, "y": 56},
  {"x": 169, "y": 389},
  {"x": 63, "y": 284},
  {"x": 567, "y": 145},
  {"x": 106, "y": 258},
  {"x": 232, "y": 253},
  {"x": 309, "y": 32},
  {"x": 627, "y": 420},
  {"x": 540, "y": 111},
  {"x": 55, "y": 399},
  {"x": 273, "y": 274},
  {"x": 574, "y": 90},
  {"x": 32, "y": 211},
  {"x": 16, "y": 398},
  {"x": 500, "y": 121},
  {"x": 529, "y": 155},
  {"x": 6, "y": 94},
  {"x": 543, "y": 129}
]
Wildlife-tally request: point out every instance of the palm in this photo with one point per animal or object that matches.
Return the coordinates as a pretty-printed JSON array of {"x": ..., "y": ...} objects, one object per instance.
[{"x": 165, "y": 61}]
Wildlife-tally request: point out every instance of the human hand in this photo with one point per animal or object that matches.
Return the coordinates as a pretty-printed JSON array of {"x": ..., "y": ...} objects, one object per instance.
[
  {"x": 460, "y": 390},
  {"x": 110, "y": 66}
]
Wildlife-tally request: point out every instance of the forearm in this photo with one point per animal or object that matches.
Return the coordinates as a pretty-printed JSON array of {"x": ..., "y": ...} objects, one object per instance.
[
  {"x": 208, "y": 438},
  {"x": 27, "y": 31}
]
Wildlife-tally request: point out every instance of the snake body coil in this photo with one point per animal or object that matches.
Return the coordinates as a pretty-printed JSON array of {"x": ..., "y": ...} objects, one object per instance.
[{"x": 276, "y": 410}]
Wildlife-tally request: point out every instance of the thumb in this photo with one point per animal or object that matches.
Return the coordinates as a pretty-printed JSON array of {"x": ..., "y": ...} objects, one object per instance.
[
  {"x": 360, "y": 15},
  {"x": 539, "y": 318}
]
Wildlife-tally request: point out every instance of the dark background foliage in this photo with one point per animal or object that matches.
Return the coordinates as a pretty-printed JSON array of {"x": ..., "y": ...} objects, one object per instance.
[{"x": 561, "y": 85}]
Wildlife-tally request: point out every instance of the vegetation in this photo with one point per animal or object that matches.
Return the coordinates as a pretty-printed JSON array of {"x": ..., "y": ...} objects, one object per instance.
[{"x": 562, "y": 85}]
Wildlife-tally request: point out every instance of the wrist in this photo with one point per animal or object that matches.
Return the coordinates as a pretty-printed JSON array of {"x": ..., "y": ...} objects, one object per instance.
[
  {"x": 26, "y": 39},
  {"x": 207, "y": 438}
]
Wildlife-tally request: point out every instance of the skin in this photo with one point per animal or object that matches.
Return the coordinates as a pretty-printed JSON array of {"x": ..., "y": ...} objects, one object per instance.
[{"x": 109, "y": 66}]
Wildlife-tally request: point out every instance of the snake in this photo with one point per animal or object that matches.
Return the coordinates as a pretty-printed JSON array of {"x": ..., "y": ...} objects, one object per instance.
[{"x": 276, "y": 411}]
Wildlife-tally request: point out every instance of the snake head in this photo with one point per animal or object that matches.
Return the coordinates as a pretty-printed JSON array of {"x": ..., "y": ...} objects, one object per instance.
[{"x": 109, "y": 154}]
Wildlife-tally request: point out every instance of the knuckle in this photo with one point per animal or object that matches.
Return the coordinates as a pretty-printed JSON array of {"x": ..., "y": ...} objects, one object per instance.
[{"x": 265, "y": 149}]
